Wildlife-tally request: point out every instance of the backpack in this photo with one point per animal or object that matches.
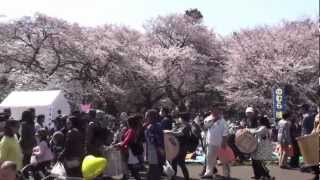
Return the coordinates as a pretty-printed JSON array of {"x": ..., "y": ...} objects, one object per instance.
[{"x": 194, "y": 137}]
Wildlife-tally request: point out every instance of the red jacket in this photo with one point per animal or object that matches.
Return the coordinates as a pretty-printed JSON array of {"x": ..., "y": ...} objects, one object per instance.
[{"x": 128, "y": 138}]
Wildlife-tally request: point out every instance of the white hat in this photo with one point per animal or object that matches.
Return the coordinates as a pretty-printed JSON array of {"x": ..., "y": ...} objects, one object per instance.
[{"x": 249, "y": 109}]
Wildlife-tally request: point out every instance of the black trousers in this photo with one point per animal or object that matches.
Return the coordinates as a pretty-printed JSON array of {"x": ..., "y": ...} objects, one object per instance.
[
  {"x": 316, "y": 171},
  {"x": 259, "y": 169},
  {"x": 26, "y": 159},
  {"x": 294, "y": 161},
  {"x": 181, "y": 161},
  {"x": 154, "y": 172},
  {"x": 134, "y": 171}
]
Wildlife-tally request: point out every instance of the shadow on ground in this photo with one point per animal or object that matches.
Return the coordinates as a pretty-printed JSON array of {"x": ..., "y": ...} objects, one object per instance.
[{"x": 217, "y": 178}]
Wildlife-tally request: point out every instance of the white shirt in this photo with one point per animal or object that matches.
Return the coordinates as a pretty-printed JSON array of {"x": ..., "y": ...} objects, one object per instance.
[{"x": 216, "y": 132}]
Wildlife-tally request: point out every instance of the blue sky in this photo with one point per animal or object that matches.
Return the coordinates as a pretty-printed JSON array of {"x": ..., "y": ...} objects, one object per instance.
[{"x": 224, "y": 16}]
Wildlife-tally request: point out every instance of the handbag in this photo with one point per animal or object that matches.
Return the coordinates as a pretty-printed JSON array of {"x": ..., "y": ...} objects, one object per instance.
[{"x": 168, "y": 170}]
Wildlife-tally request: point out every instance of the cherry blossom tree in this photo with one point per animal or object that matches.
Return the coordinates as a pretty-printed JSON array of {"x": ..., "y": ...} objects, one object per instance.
[
  {"x": 260, "y": 58},
  {"x": 186, "y": 55},
  {"x": 177, "y": 58}
]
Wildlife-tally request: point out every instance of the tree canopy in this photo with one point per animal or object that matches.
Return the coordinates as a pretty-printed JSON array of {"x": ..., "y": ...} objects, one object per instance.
[{"x": 177, "y": 60}]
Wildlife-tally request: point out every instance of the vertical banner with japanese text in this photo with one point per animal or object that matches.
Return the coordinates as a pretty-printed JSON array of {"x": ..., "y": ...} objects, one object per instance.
[{"x": 279, "y": 101}]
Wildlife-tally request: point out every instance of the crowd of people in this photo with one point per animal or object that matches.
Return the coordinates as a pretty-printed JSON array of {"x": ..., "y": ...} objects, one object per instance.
[{"x": 27, "y": 142}]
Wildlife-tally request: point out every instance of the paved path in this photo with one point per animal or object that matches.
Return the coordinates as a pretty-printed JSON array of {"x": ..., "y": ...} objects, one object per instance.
[{"x": 245, "y": 172}]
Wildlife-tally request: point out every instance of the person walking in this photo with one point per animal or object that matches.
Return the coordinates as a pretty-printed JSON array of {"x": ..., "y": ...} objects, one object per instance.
[
  {"x": 129, "y": 146},
  {"x": 307, "y": 121},
  {"x": 182, "y": 133},
  {"x": 252, "y": 118},
  {"x": 98, "y": 134},
  {"x": 295, "y": 132},
  {"x": 166, "y": 119},
  {"x": 73, "y": 152},
  {"x": 216, "y": 138},
  {"x": 284, "y": 138},
  {"x": 264, "y": 149},
  {"x": 155, "y": 145}
]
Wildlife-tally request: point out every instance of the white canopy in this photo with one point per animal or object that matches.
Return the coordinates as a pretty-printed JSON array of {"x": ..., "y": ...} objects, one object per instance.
[{"x": 44, "y": 102}]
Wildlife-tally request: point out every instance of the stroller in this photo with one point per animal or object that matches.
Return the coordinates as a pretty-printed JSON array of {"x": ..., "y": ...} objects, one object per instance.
[
  {"x": 48, "y": 172},
  {"x": 35, "y": 171}
]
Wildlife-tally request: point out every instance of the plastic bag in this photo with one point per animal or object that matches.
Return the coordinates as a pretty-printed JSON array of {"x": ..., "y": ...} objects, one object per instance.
[
  {"x": 33, "y": 160},
  {"x": 58, "y": 170},
  {"x": 168, "y": 170}
]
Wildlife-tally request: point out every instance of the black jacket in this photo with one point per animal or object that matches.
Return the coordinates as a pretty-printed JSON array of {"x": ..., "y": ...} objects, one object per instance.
[{"x": 166, "y": 123}]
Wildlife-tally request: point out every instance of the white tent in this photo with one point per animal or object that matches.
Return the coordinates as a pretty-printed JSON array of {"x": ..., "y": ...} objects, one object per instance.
[{"x": 44, "y": 102}]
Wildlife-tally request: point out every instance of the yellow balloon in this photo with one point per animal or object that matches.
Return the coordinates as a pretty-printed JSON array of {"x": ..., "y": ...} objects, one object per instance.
[{"x": 93, "y": 166}]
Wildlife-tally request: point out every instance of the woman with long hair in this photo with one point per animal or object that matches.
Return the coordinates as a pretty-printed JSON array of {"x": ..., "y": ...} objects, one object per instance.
[
  {"x": 155, "y": 145},
  {"x": 129, "y": 145}
]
